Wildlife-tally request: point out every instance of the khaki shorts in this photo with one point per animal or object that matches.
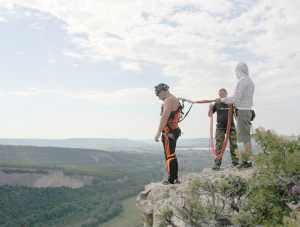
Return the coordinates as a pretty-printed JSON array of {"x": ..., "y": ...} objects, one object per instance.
[{"x": 244, "y": 126}]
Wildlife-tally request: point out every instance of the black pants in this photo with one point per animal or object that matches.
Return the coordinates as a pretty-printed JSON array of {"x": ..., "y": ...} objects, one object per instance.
[{"x": 169, "y": 139}]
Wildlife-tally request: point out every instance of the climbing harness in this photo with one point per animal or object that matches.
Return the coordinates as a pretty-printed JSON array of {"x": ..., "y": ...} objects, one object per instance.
[
  {"x": 217, "y": 154},
  {"x": 191, "y": 106},
  {"x": 179, "y": 116},
  {"x": 184, "y": 115}
]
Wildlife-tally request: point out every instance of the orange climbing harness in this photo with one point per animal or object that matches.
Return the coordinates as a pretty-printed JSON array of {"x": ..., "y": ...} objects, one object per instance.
[{"x": 171, "y": 127}]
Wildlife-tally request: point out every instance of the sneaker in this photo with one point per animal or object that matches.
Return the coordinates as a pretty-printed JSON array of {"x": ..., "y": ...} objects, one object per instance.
[
  {"x": 216, "y": 167},
  {"x": 166, "y": 182},
  {"x": 177, "y": 181},
  {"x": 245, "y": 165},
  {"x": 234, "y": 164}
]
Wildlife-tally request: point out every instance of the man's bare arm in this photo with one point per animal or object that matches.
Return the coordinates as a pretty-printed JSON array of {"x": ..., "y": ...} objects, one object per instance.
[
  {"x": 210, "y": 110},
  {"x": 165, "y": 115},
  {"x": 185, "y": 100}
]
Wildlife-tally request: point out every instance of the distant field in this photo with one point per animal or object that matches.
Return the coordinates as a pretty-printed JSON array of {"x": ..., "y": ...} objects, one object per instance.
[{"x": 129, "y": 216}]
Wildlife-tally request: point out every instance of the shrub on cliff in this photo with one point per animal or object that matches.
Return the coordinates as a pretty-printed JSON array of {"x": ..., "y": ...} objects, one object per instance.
[{"x": 274, "y": 188}]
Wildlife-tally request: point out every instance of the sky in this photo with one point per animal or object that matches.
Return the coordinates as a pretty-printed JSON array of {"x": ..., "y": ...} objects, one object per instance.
[{"x": 71, "y": 68}]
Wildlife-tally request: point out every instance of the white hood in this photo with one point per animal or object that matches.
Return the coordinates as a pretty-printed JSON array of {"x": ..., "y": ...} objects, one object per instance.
[{"x": 241, "y": 70}]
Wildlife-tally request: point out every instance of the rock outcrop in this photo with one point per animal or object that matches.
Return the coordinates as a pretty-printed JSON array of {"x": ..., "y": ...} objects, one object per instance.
[{"x": 208, "y": 198}]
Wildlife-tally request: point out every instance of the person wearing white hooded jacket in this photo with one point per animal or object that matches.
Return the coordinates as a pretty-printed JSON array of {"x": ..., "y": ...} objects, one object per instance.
[{"x": 243, "y": 101}]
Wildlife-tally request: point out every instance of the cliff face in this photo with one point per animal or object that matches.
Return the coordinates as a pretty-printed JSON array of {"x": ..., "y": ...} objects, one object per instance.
[{"x": 208, "y": 198}]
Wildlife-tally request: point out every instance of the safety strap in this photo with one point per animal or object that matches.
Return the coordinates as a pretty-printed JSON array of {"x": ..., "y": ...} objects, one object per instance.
[
  {"x": 187, "y": 113},
  {"x": 190, "y": 108},
  {"x": 218, "y": 155}
]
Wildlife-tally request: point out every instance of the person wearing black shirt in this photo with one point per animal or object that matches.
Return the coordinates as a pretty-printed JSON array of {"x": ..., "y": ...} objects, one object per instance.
[{"x": 222, "y": 117}]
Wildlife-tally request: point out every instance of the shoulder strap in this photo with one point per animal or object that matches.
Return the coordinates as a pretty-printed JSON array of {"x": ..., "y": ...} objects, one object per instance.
[{"x": 186, "y": 114}]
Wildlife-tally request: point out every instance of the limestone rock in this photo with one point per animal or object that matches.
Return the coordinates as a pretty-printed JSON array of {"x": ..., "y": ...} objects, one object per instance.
[{"x": 173, "y": 205}]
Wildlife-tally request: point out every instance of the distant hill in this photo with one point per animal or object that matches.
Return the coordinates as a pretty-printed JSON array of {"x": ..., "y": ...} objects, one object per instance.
[
  {"x": 106, "y": 144},
  {"x": 185, "y": 142},
  {"x": 112, "y": 176},
  {"x": 68, "y": 157},
  {"x": 87, "y": 143},
  {"x": 115, "y": 176}
]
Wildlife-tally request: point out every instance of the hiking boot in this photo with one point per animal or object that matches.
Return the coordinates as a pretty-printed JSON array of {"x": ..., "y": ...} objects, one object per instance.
[
  {"x": 216, "y": 167},
  {"x": 234, "y": 164},
  {"x": 245, "y": 165},
  {"x": 166, "y": 182},
  {"x": 177, "y": 181}
]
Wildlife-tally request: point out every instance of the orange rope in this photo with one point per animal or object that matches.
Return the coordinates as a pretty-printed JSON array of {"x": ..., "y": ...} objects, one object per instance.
[
  {"x": 219, "y": 155},
  {"x": 205, "y": 101}
]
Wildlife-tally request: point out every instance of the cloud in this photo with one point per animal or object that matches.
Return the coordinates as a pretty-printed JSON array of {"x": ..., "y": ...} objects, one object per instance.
[
  {"x": 2, "y": 20},
  {"x": 134, "y": 96},
  {"x": 72, "y": 54},
  {"x": 131, "y": 66},
  {"x": 32, "y": 92},
  {"x": 198, "y": 43}
]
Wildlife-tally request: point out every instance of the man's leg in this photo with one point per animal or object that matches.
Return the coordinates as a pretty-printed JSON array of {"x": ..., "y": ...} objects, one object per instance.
[
  {"x": 173, "y": 171},
  {"x": 169, "y": 142},
  {"x": 173, "y": 159},
  {"x": 165, "y": 141},
  {"x": 244, "y": 126},
  {"x": 233, "y": 147},
  {"x": 247, "y": 151},
  {"x": 220, "y": 135}
]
